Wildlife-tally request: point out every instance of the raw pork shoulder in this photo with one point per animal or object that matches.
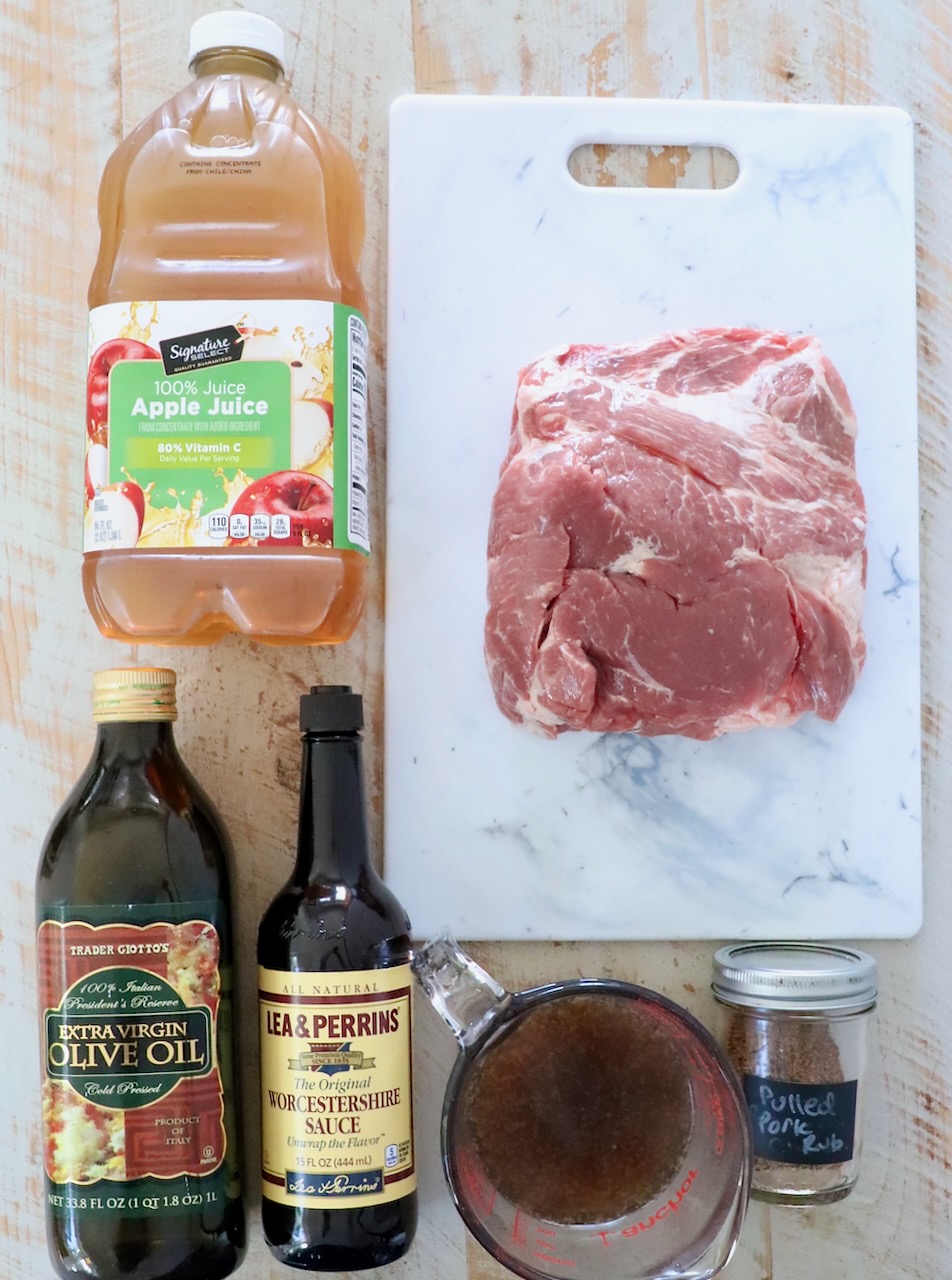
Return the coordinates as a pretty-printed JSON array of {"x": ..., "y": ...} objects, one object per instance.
[{"x": 677, "y": 539}]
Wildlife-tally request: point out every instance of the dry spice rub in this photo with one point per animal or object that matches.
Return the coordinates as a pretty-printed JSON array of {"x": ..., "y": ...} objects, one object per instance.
[{"x": 794, "y": 1029}]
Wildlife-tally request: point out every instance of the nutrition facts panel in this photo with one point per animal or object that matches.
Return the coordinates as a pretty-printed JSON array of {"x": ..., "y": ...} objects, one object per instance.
[{"x": 359, "y": 516}]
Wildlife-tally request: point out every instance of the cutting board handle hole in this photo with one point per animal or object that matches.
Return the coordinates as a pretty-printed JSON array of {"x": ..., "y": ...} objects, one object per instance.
[{"x": 610, "y": 164}]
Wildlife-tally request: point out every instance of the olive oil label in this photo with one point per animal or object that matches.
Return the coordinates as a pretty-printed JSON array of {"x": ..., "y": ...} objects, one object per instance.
[
  {"x": 226, "y": 424},
  {"x": 336, "y": 1107},
  {"x": 133, "y": 1099}
]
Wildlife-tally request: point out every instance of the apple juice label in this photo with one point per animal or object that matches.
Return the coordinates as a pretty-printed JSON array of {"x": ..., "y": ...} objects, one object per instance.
[
  {"x": 336, "y": 1115},
  {"x": 133, "y": 1101},
  {"x": 801, "y": 1123},
  {"x": 226, "y": 424}
]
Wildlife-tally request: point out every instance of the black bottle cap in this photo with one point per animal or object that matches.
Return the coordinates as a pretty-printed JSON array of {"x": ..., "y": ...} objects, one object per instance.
[{"x": 332, "y": 708}]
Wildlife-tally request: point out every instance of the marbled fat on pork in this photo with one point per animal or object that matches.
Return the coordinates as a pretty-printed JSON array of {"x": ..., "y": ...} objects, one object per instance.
[{"x": 677, "y": 540}]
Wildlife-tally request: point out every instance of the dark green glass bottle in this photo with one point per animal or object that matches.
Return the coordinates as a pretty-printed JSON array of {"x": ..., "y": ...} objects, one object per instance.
[
  {"x": 134, "y": 951},
  {"x": 339, "y": 1180}
]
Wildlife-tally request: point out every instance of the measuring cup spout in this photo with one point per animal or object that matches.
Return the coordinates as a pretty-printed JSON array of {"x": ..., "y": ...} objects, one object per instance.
[{"x": 463, "y": 994}]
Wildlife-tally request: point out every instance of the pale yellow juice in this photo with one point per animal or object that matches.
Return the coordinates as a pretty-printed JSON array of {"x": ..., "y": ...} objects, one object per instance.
[{"x": 228, "y": 191}]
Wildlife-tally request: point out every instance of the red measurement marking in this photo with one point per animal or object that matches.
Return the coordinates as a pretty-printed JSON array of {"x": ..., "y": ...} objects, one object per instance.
[
  {"x": 481, "y": 1192},
  {"x": 542, "y": 1248},
  {"x": 608, "y": 1238}
]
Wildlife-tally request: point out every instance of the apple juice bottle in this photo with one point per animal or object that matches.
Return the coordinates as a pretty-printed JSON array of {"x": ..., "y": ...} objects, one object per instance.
[
  {"x": 338, "y": 1173},
  {"x": 134, "y": 957},
  {"x": 226, "y": 478}
]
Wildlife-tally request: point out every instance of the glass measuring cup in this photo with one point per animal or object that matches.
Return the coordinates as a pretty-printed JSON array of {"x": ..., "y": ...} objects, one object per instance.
[{"x": 590, "y": 1127}]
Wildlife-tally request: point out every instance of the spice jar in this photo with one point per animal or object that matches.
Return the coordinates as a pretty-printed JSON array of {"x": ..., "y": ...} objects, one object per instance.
[{"x": 793, "y": 1022}]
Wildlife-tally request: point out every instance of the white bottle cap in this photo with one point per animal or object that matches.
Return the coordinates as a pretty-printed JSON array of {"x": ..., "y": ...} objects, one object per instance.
[{"x": 236, "y": 29}]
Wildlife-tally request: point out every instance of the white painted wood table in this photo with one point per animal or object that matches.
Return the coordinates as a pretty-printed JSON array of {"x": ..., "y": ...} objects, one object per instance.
[{"x": 74, "y": 76}]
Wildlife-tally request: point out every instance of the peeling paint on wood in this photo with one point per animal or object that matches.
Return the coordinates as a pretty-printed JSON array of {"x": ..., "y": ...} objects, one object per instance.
[{"x": 73, "y": 78}]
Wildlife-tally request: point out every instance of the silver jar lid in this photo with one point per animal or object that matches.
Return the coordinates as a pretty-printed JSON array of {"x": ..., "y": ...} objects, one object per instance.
[{"x": 803, "y": 976}]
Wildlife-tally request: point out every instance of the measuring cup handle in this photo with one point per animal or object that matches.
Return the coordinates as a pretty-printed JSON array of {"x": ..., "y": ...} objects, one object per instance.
[{"x": 463, "y": 994}]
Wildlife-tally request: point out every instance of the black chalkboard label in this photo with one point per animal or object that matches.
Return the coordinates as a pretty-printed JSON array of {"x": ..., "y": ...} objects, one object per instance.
[{"x": 801, "y": 1123}]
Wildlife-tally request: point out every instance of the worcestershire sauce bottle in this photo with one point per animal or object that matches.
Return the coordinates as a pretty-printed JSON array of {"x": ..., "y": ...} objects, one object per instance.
[
  {"x": 338, "y": 1173},
  {"x": 134, "y": 954}
]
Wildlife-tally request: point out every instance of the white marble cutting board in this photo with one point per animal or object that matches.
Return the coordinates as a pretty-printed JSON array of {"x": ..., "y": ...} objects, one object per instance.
[{"x": 497, "y": 254}]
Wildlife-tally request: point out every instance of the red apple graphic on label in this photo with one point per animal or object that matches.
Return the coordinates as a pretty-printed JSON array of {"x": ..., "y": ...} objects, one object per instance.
[
  {"x": 306, "y": 502},
  {"x": 97, "y": 470},
  {"x": 119, "y": 510},
  {"x": 133, "y": 494},
  {"x": 312, "y": 430},
  {"x": 97, "y": 380}
]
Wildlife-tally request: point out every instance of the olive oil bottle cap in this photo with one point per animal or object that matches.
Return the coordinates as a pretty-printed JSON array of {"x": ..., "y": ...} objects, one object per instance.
[
  {"x": 134, "y": 693},
  {"x": 332, "y": 708}
]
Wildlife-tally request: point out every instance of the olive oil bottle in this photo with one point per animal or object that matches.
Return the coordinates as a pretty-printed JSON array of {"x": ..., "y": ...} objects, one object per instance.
[
  {"x": 134, "y": 953},
  {"x": 338, "y": 1173}
]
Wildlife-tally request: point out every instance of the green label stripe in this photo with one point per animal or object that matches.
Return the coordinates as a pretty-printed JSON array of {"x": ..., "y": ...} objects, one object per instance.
[
  {"x": 252, "y": 454},
  {"x": 136, "y": 913},
  {"x": 178, "y": 432},
  {"x": 252, "y": 393},
  {"x": 341, "y": 427}
]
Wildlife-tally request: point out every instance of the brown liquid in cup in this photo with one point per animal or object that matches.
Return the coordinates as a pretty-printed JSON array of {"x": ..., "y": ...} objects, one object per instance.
[{"x": 582, "y": 1112}]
